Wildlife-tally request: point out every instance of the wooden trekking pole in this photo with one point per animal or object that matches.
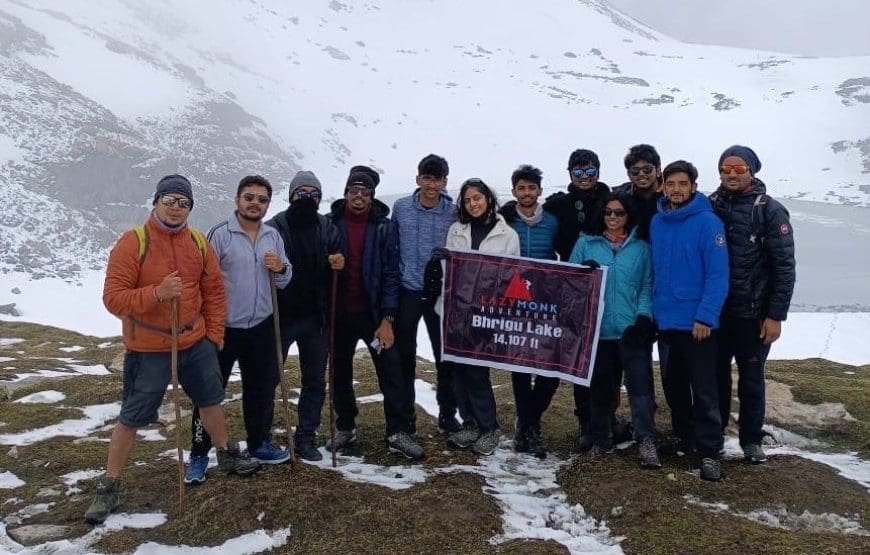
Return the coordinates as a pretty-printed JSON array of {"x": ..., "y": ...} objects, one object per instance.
[
  {"x": 332, "y": 365},
  {"x": 176, "y": 399},
  {"x": 279, "y": 357}
]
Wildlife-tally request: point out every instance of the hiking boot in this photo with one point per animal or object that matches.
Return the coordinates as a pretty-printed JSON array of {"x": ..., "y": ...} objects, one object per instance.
[
  {"x": 487, "y": 443},
  {"x": 598, "y": 451},
  {"x": 448, "y": 424},
  {"x": 231, "y": 461},
  {"x": 402, "y": 444},
  {"x": 343, "y": 438},
  {"x": 195, "y": 473},
  {"x": 107, "y": 497},
  {"x": 710, "y": 470},
  {"x": 521, "y": 440},
  {"x": 535, "y": 442},
  {"x": 308, "y": 452},
  {"x": 464, "y": 437},
  {"x": 584, "y": 443},
  {"x": 677, "y": 446},
  {"x": 649, "y": 456},
  {"x": 270, "y": 454},
  {"x": 754, "y": 454}
]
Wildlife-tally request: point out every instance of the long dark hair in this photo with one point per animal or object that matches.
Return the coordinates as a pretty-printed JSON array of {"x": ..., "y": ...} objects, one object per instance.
[
  {"x": 628, "y": 205},
  {"x": 491, "y": 202}
]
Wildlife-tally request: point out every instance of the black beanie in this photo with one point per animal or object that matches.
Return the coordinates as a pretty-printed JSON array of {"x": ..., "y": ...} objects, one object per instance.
[{"x": 365, "y": 176}]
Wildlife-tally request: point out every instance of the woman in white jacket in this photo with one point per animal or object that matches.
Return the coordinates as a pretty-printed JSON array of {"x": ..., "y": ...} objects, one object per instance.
[{"x": 481, "y": 228}]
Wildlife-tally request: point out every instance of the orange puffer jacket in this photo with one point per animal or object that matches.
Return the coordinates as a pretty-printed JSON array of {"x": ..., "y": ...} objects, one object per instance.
[{"x": 128, "y": 291}]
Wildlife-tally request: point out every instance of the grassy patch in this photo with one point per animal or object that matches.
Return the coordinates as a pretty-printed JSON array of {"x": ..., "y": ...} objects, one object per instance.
[{"x": 449, "y": 512}]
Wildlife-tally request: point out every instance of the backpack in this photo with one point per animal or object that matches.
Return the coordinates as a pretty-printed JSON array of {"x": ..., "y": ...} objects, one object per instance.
[{"x": 142, "y": 234}]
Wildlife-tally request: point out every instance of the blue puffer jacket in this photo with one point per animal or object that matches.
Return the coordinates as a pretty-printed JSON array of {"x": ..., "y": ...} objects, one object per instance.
[
  {"x": 628, "y": 291},
  {"x": 420, "y": 231},
  {"x": 536, "y": 241},
  {"x": 690, "y": 265}
]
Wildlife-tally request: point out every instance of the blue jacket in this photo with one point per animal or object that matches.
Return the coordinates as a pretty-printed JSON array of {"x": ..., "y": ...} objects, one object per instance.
[
  {"x": 249, "y": 296},
  {"x": 536, "y": 241},
  {"x": 690, "y": 265},
  {"x": 420, "y": 231},
  {"x": 628, "y": 291},
  {"x": 380, "y": 257}
]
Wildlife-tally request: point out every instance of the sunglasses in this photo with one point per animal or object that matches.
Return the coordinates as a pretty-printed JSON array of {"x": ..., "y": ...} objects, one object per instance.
[
  {"x": 588, "y": 172},
  {"x": 739, "y": 168},
  {"x": 262, "y": 199},
  {"x": 359, "y": 190},
  {"x": 618, "y": 212},
  {"x": 646, "y": 170},
  {"x": 308, "y": 194},
  {"x": 166, "y": 200}
]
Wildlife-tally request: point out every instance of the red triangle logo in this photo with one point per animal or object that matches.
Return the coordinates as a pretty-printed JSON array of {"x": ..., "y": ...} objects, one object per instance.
[{"x": 517, "y": 288}]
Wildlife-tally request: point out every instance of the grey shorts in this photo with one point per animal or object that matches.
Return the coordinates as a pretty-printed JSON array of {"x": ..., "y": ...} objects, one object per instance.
[{"x": 147, "y": 375}]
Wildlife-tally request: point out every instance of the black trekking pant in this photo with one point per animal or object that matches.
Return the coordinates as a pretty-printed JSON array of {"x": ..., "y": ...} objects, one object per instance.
[
  {"x": 532, "y": 395},
  {"x": 254, "y": 349},
  {"x": 691, "y": 389},
  {"x": 739, "y": 338},
  {"x": 398, "y": 408},
  {"x": 474, "y": 393},
  {"x": 311, "y": 340},
  {"x": 411, "y": 309}
]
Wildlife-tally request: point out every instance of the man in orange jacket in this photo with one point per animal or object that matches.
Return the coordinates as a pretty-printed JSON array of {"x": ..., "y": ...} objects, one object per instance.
[{"x": 146, "y": 273}]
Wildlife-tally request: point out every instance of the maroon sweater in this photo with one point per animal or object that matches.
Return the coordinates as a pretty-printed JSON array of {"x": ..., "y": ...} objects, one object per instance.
[{"x": 357, "y": 300}]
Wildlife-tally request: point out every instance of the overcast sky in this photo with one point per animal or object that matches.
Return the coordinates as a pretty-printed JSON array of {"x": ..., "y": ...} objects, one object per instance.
[{"x": 804, "y": 27}]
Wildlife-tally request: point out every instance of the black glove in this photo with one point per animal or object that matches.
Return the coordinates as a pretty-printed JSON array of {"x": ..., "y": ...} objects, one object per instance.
[
  {"x": 641, "y": 333},
  {"x": 439, "y": 253},
  {"x": 591, "y": 263},
  {"x": 433, "y": 277}
]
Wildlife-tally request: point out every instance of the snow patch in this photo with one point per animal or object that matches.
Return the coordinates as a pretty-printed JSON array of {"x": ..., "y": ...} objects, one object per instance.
[
  {"x": 10, "y": 481},
  {"x": 253, "y": 542},
  {"x": 356, "y": 470},
  {"x": 95, "y": 416},
  {"x": 6, "y": 341},
  {"x": 73, "y": 349},
  {"x": 42, "y": 397}
]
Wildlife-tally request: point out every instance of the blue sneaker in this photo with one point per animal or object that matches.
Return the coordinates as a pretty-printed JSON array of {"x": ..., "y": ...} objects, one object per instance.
[
  {"x": 270, "y": 454},
  {"x": 196, "y": 470}
]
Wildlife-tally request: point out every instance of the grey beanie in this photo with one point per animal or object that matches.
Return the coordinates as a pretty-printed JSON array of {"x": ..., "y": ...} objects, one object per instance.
[
  {"x": 304, "y": 179},
  {"x": 744, "y": 153},
  {"x": 174, "y": 184}
]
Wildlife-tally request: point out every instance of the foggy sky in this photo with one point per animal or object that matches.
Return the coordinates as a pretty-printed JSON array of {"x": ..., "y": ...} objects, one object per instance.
[{"x": 802, "y": 27}]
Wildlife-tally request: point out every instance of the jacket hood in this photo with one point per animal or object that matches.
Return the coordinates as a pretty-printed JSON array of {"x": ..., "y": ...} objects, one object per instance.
[
  {"x": 758, "y": 188},
  {"x": 698, "y": 204},
  {"x": 379, "y": 209}
]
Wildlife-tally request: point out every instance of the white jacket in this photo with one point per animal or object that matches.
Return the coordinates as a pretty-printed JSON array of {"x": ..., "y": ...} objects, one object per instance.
[{"x": 501, "y": 240}]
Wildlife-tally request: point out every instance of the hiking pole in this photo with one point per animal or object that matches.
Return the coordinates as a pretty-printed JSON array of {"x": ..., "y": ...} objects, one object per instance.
[
  {"x": 279, "y": 357},
  {"x": 332, "y": 365},
  {"x": 173, "y": 306}
]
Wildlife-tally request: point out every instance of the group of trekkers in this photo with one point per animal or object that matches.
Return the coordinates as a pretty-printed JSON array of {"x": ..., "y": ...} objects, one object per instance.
[{"x": 708, "y": 277}]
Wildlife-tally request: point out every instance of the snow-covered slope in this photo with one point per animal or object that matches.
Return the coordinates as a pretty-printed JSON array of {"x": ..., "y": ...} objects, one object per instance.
[{"x": 100, "y": 98}]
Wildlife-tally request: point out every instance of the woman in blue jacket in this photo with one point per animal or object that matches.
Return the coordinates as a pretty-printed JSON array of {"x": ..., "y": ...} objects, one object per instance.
[{"x": 626, "y": 327}]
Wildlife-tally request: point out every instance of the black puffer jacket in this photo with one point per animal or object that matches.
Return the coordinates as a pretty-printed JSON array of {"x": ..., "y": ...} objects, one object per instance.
[
  {"x": 760, "y": 253},
  {"x": 578, "y": 212}
]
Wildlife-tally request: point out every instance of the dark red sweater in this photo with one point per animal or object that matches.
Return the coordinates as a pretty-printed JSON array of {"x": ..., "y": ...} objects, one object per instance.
[{"x": 357, "y": 299}]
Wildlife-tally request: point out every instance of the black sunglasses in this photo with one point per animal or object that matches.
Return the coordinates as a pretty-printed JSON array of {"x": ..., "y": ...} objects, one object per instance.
[
  {"x": 262, "y": 199},
  {"x": 647, "y": 170}
]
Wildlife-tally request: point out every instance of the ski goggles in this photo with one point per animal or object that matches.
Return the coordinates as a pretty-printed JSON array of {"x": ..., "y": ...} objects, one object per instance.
[
  {"x": 740, "y": 169},
  {"x": 646, "y": 170},
  {"x": 166, "y": 200},
  {"x": 588, "y": 172}
]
